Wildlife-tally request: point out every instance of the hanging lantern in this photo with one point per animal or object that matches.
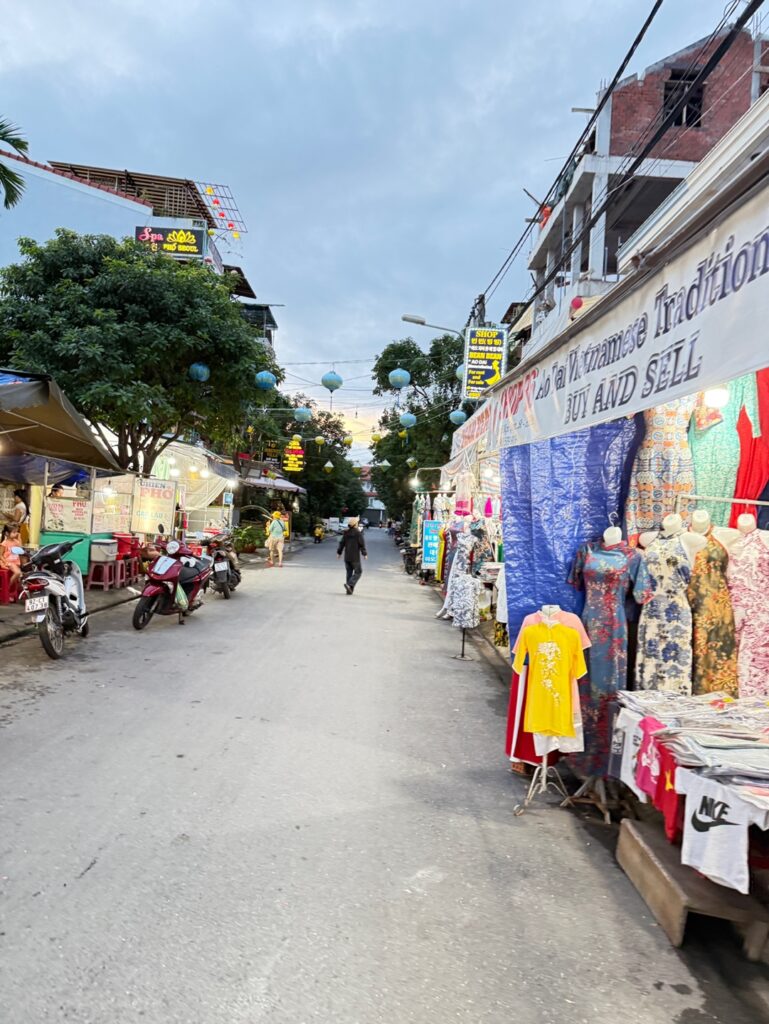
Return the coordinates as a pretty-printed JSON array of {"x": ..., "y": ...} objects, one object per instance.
[
  {"x": 211, "y": 232},
  {"x": 271, "y": 475},
  {"x": 303, "y": 414},
  {"x": 221, "y": 214},
  {"x": 296, "y": 439},
  {"x": 328, "y": 467},
  {"x": 199, "y": 372},
  {"x": 376, "y": 438},
  {"x": 457, "y": 417},
  {"x": 403, "y": 434},
  {"x": 347, "y": 441},
  {"x": 209, "y": 190},
  {"x": 236, "y": 234},
  {"x": 399, "y": 378},
  {"x": 576, "y": 303},
  {"x": 357, "y": 470},
  {"x": 216, "y": 202},
  {"x": 230, "y": 225},
  {"x": 265, "y": 380},
  {"x": 411, "y": 462},
  {"x": 408, "y": 420},
  {"x": 460, "y": 373},
  {"x": 331, "y": 381},
  {"x": 384, "y": 464},
  {"x": 445, "y": 438},
  {"x": 320, "y": 441}
]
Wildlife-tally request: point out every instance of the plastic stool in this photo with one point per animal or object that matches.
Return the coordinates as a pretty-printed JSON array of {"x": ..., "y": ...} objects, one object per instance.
[
  {"x": 9, "y": 587},
  {"x": 101, "y": 574},
  {"x": 120, "y": 573},
  {"x": 132, "y": 570}
]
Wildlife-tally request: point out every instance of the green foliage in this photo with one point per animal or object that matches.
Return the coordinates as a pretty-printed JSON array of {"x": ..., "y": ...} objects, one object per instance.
[
  {"x": 11, "y": 183},
  {"x": 433, "y": 393},
  {"x": 301, "y": 523},
  {"x": 118, "y": 326},
  {"x": 248, "y": 537}
]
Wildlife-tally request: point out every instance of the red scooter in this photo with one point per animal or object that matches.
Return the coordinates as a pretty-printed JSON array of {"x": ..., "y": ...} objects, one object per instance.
[{"x": 175, "y": 582}]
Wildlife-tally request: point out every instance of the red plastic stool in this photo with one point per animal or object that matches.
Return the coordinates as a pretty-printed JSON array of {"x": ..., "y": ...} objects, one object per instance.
[
  {"x": 101, "y": 574},
  {"x": 132, "y": 570},
  {"x": 9, "y": 587}
]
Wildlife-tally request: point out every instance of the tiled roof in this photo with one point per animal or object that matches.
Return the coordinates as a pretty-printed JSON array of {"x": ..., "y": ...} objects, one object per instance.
[{"x": 72, "y": 177}]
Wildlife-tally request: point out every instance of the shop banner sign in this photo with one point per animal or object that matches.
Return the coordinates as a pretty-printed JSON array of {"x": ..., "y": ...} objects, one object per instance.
[
  {"x": 699, "y": 322},
  {"x": 271, "y": 453},
  {"x": 293, "y": 460},
  {"x": 154, "y": 503},
  {"x": 182, "y": 243},
  {"x": 68, "y": 515},
  {"x": 485, "y": 360},
  {"x": 431, "y": 540}
]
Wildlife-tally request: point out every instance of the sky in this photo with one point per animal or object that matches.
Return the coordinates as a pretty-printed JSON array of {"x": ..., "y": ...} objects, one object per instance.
[{"x": 377, "y": 149}]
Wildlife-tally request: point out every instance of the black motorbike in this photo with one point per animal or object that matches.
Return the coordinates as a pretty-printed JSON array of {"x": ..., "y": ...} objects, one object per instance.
[
  {"x": 409, "y": 555},
  {"x": 226, "y": 574}
]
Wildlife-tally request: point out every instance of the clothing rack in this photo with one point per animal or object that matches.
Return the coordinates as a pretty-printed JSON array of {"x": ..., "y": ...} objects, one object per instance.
[
  {"x": 713, "y": 497},
  {"x": 546, "y": 776}
]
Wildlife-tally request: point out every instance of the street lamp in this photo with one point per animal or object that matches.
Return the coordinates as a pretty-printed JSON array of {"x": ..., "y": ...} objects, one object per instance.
[{"x": 420, "y": 320}]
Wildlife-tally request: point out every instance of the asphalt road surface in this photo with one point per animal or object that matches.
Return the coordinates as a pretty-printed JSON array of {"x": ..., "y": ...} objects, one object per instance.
[{"x": 296, "y": 808}]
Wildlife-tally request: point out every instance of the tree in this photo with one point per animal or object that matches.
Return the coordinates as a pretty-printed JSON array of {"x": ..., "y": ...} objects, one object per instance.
[
  {"x": 11, "y": 183},
  {"x": 433, "y": 393},
  {"x": 118, "y": 327}
]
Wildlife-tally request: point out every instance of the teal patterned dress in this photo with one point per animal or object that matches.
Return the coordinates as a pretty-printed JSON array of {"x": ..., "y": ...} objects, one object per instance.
[{"x": 715, "y": 445}]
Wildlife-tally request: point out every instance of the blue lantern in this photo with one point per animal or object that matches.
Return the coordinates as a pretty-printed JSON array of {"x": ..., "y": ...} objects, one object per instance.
[
  {"x": 331, "y": 381},
  {"x": 399, "y": 378},
  {"x": 460, "y": 372},
  {"x": 199, "y": 372},
  {"x": 303, "y": 414},
  {"x": 265, "y": 380},
  {"x": 457, "y": 417},
  {"x": 408, "y": 420}
]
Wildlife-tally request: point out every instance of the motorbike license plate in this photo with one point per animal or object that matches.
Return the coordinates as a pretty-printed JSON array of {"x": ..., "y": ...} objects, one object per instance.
[
  {"x": 36, "y": 604},
  {"x": 221, "y": 566}
]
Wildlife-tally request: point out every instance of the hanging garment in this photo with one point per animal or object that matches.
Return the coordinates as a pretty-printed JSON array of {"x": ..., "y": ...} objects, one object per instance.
[
  {"x": 715, "y": 443},
  {"x": 453, "y": 532},
  {"x": 519, "y": 743},
  {"x": 714, "y": 645},
  {"x": 747, "y": 574},
  {"x": 606, "y": 574},
  {"x": 753, "y": 471},
  {"x": 460, "y": 567},
  {"x": 555, "y": 658},
  {"x": 465, "y": 591},
  {"x": 664, "y": 660},
  {"x": 663, "y": 470}
]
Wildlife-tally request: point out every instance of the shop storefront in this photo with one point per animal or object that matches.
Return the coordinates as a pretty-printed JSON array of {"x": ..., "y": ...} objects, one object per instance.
[{"x": 634, "y": 464}]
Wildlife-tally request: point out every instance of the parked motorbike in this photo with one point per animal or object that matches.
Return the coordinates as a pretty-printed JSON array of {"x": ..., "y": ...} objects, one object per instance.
[
  {"x": 409, "y": 559},
  {"x": 176, "y": 580},
  {"x": 54, "y": 595},
  {"x": 226, "y": 575}
]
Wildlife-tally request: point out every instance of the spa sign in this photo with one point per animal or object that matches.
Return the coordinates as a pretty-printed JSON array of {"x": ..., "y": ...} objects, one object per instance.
[
  {"x": 183, "y": 243},
  {"x": 485, "y": 359},
  {"x": 696, "y": 323}
]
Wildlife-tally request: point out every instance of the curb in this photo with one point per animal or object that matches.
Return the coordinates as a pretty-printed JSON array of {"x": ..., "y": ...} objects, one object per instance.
[{"x": 18, "y": 634}]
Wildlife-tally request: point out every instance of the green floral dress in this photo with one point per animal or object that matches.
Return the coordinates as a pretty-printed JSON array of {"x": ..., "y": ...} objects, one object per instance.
[
  {"x": 714, "y": 646},
  {"x": 715, "y": 444}
]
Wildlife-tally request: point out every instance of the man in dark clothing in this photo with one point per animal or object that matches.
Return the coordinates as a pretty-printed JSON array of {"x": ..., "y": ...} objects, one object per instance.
[{"x": 352, "y": 545}]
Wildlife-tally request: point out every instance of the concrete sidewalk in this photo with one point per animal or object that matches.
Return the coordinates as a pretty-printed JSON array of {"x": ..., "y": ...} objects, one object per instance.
[{"x": 14, "y": 622}]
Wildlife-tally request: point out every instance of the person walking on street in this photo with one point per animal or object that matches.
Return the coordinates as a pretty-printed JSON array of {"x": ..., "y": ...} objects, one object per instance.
[
  {"x": 352, "y": 545},
  {"x": 276, "y": 535}
]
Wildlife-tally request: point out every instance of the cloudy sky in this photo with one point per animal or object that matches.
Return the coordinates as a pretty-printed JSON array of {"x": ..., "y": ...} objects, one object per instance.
[{"x": 377, "y": 148}]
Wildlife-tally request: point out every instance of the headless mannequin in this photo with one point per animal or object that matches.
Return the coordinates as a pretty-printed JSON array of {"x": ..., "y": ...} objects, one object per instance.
[
  {"x": 549, "y": 613},
  {"x": 746, "y": 524},
  {"x": 612, "y": 536},
  {"x": 692, "y": 541},
  {"x": 701, "y": 523}
]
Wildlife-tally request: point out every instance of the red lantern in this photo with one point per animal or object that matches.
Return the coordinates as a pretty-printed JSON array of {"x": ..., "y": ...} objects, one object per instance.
[
  {"x": 221, "y": 215},
  {"x": 215, "y": 202},
  {"x": 230, "y": 224},
  {"x": 576, "y": 303}
]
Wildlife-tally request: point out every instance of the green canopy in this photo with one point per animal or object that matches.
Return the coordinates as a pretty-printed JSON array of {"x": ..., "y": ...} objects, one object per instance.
[{"x": 36, "y": 417}]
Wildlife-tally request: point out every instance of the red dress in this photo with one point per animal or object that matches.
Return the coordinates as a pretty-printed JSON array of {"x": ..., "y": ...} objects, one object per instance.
[{"x": 753, "y": 470}]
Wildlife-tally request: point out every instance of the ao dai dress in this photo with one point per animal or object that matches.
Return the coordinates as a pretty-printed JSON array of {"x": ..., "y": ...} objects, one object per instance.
[
  {"x": 714, "y": 646},
  {"x": 664, "y": 659},
  {"x": 748, "y": 576},
  {"x": 607, "y": 575}
]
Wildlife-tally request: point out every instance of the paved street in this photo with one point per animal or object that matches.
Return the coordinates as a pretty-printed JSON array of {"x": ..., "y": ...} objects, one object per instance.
[{"x": 295, "y": 808}]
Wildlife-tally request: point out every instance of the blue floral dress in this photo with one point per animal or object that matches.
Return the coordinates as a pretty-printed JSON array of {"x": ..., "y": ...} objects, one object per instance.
[
  {"x": 664, "y": 659},
  {"x": 607, "y": 575}
]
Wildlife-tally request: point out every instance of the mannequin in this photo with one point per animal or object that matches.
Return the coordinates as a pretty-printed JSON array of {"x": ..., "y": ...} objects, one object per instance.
[
  {"x": 612, "y": 536},
  {"x": 746, "y": 524},
  {"x": 700, "y": 521},
  {"x": 550, "y": 613},
  {"x": 692, "y": 540}
]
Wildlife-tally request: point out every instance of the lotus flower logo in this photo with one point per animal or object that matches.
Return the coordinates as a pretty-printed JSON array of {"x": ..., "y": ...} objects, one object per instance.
[{"x": 181, "y": 237}]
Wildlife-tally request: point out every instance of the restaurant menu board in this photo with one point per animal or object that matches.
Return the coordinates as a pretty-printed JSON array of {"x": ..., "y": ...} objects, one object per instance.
[
  {"x": 68, "y": 515},
  {"x": 112, "y": 505},
  {"x": 485, "y": 359},
  {"x": 293, "y": 459},
  {"x": 154, "y": 503}
]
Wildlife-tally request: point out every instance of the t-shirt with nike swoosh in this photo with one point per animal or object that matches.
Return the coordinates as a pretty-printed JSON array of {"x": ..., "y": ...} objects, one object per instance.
[{"x": 716, "y": 822}]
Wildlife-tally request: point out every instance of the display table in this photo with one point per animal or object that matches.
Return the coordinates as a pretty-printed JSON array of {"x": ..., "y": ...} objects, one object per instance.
[{"x": 672, "y": 891}]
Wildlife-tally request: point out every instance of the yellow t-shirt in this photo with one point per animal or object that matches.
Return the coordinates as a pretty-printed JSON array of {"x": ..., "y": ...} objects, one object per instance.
[{"x": 555, "y": 658}]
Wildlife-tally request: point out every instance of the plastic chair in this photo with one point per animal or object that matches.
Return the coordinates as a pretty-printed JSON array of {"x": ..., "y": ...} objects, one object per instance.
[
  {"x": 120, "y": 573},
  {"x": 132, "y": 569},
  {"x": 101, "y": 574}
]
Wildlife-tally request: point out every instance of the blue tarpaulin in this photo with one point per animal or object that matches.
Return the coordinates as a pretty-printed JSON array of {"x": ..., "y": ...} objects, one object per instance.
[{"x": 557, "y": 494}]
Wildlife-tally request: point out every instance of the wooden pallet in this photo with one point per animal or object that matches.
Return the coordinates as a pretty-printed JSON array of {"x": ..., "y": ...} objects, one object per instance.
[{"x": 672, "y": 890}]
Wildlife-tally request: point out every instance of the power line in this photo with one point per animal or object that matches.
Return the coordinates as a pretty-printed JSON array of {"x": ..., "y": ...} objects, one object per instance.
[{"x": 502, "y": 272}]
